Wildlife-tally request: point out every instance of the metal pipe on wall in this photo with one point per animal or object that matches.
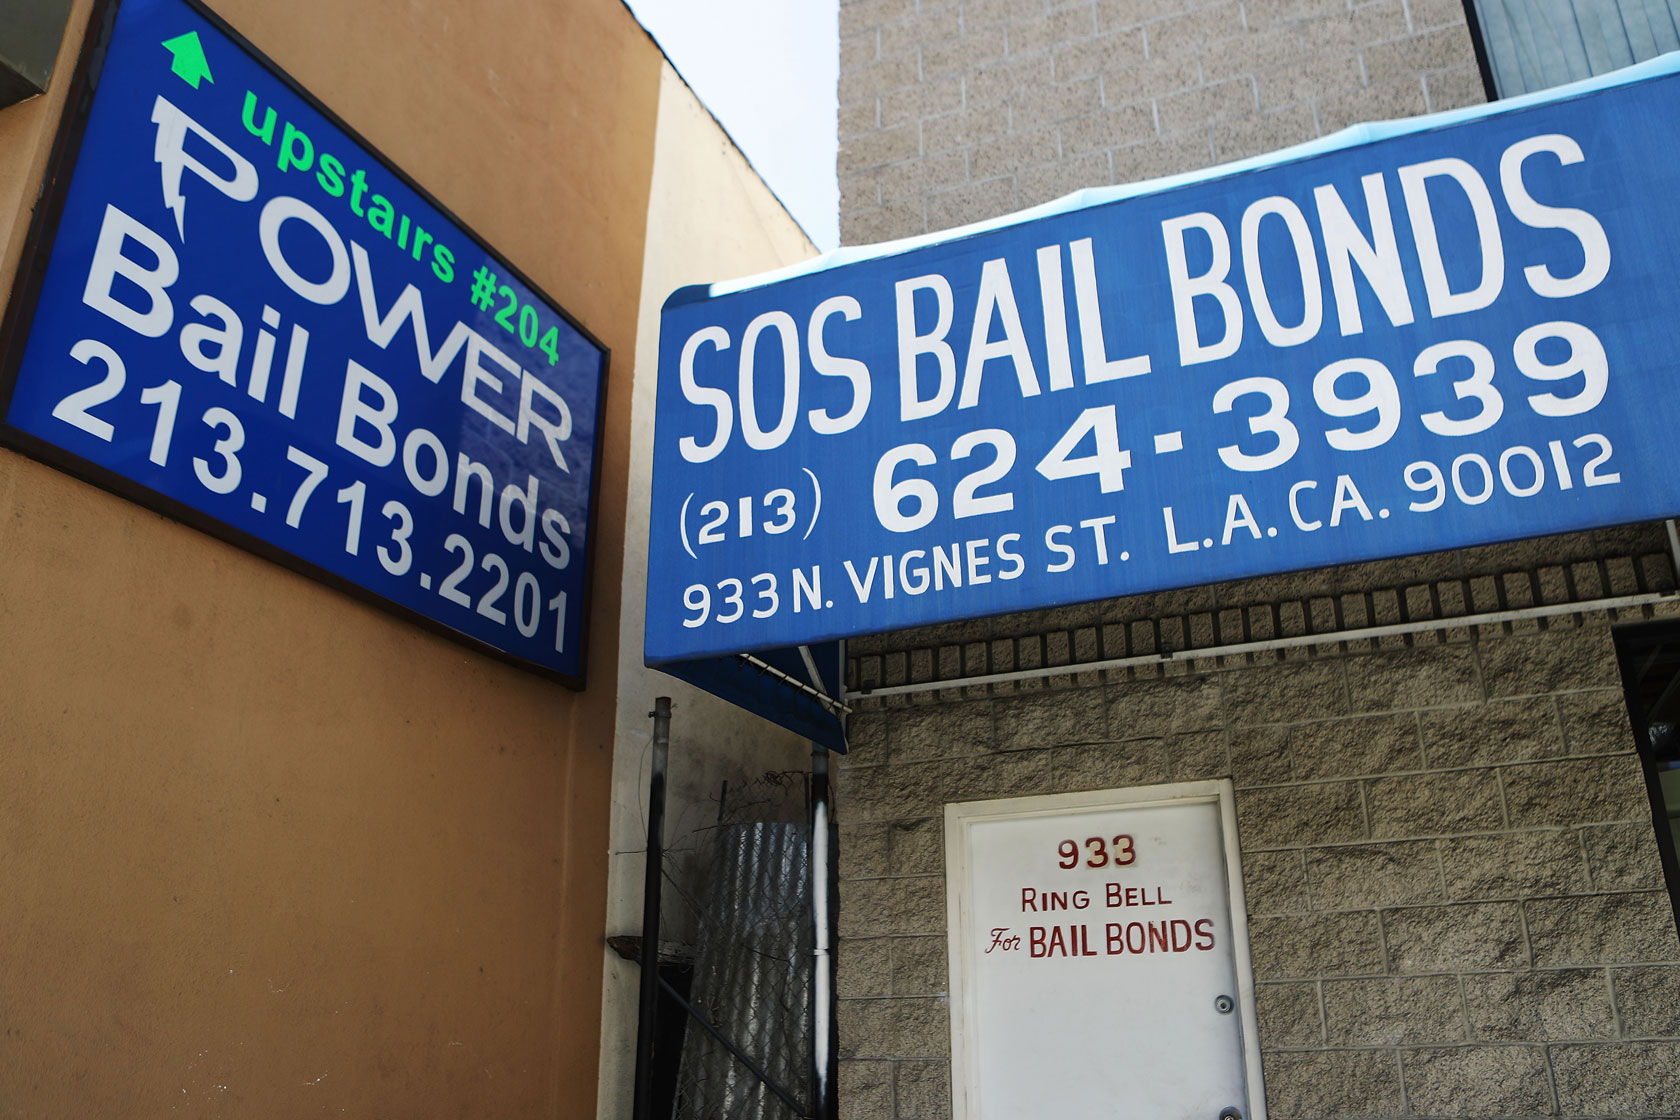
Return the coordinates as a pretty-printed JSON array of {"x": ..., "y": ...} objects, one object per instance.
[
  {"x": 1299, "y": 641},
  {"x": 647, "y": 1016},
  {"x": 824, "y": 1055}
]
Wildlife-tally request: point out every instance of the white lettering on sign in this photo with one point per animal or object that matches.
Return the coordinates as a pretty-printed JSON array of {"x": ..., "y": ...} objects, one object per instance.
[
  {"x": 111, "y": 261},
  {"x": 170, "y": 153},
  {"x": 1310, "y": 360},
  {"x": 1425, "y": 187}
]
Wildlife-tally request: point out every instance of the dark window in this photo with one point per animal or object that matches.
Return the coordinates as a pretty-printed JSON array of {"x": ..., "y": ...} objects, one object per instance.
[
  {"x": 1528, "y": 45},
  {"x": 1650, "y": 662}
]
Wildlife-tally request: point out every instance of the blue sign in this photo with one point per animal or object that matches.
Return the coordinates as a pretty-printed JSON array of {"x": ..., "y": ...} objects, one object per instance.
[
  {"x": 252, "y": 322},
  {"x": 1466, "y": 332}
]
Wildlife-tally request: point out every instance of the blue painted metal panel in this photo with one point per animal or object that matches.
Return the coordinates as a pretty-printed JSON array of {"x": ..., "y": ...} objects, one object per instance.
[
  {"x": 251, "y": 321},
  {"x": 745, "y": 685},
  {"x": 1416, "y": 336}
]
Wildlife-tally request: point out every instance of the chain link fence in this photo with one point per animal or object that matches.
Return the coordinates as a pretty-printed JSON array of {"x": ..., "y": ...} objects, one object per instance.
[{"x": 748, "y": 886}]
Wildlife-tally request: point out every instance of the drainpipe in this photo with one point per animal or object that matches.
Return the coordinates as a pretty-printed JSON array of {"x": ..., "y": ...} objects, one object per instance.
[
  {"x": 824, "y": 833},
  {"x": 647, "y": 1015}
]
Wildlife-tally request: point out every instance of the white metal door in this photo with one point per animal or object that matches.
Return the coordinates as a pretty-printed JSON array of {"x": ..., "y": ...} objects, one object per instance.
[{"x": 1099, "y": 958}]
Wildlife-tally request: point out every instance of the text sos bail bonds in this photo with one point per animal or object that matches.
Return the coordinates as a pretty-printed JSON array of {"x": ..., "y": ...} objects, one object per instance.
[{"x": 973, "y": 507}]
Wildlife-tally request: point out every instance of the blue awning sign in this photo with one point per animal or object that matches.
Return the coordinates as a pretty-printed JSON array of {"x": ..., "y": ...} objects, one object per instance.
[{"x": 1410, "y": 337}]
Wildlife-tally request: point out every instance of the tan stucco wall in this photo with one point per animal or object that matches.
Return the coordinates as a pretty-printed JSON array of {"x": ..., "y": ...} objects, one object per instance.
[
  {"x": 710, "y": 218},
  {"x": 266, "y": 851}
]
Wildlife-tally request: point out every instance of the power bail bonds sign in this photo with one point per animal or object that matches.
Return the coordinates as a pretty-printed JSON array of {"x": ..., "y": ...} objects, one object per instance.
[
  {"x": 1462, "y": 333},
  {"x": 250, "y": 321}
]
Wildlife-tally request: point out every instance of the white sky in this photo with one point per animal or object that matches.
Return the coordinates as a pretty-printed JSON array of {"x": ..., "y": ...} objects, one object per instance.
[{"x": 769, "y": 70}]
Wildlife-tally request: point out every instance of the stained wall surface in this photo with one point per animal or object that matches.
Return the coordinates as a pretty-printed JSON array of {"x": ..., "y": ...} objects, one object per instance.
[
  {"x": 264, "y": 850},
  {"x": 710, "y": 217},
  {"x": 1456, "y": 901}
]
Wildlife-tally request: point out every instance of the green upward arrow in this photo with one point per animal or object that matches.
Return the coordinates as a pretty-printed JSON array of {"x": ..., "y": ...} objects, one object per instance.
[{"x": 190, "y": 65}]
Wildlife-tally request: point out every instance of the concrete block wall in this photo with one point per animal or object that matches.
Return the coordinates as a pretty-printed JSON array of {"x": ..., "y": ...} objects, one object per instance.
[
  {"x": 1457, "y": 906},
  {"x": 952, "y": 111},
  {"x": 1456, "y": 902}
]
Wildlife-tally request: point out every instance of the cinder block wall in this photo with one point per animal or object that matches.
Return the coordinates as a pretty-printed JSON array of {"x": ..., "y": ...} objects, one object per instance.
[
  {"x": 1456, "y": 903},
  {"x": 956, "y": 110},
  {"x": 1455, "y": 899}
]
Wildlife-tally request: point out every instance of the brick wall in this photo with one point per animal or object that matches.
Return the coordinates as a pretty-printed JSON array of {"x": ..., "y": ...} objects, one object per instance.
[{"x": 952, "y": 111}]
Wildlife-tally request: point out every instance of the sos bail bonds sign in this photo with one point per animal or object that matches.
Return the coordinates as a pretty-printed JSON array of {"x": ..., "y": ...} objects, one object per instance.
[
  {"x": 233, "y": 310},
  {"x": 1464, "y": 331}
]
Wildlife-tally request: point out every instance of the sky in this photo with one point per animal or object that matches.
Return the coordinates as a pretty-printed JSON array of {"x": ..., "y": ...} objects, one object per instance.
[{"x": 769, "y": 71}]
